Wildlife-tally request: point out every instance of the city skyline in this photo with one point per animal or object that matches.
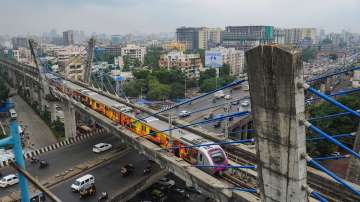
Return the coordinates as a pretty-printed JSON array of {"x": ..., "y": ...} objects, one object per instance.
[{"x": 125, "y": 16}]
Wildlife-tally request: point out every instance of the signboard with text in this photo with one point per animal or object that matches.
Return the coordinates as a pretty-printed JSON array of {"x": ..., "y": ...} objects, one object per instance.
[{"x": 213, "y": 59}]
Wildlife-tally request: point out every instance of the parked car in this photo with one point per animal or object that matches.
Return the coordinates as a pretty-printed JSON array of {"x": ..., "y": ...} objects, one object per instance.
[
  {"x": 127, "y": 169},
  {"x": 9, "y": 180},
  {"x": 101, "y": 147},
  {"x": 166, "y": 182},
  {"x": 184, "y": 113}
]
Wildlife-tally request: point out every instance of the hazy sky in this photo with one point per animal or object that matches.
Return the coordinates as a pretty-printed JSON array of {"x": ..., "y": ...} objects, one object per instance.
[{"x": 153, "y": 16}]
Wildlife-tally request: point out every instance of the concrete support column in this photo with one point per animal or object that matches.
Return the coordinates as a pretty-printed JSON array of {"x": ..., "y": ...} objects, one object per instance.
[
  {"x": 53, "y": 111},
  {"x": 277, "y": 106},
  {"x": 353, "y": 170},
  {"x": 69, "y": 119}
]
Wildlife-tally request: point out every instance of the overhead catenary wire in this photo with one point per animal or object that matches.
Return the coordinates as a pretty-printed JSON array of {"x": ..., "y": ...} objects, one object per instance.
[
  {"x": 334, "y": 157},
  {"x": 330, "y": 116},
  {"x": 333, "y": 136},
  {"x": 200, "y": 122},
  {"x": 333, "y": 74},
  {"x": 331, "y": 100},
  {"x": 215, "y": 143},
  {"x": 331, "y": 139},
  {"x": 332, "y": 175}
]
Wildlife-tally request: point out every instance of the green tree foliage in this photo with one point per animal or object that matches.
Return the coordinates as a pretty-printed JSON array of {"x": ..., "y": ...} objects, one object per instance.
[
  {"x": 152, "y": 57},
  {"x": 157, "y": 90},
  {"x": 338, "y": 125},
  {"x": 207, "y": 74},
  {"x": 177, "y": 90},
  {"x": 4, "y": 92},
  {"x": 309, "y": 54},
  {"x": 224, "y": 70}
]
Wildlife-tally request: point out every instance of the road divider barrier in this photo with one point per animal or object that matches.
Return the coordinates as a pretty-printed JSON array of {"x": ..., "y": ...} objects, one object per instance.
[{"x": 78, "y": 138}]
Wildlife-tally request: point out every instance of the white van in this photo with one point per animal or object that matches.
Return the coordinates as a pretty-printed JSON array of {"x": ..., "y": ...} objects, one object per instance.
[
  {"x": 9, "y": 180},
  {"x": 83, "y": 181},
  {"x": 13, "y": 114}
]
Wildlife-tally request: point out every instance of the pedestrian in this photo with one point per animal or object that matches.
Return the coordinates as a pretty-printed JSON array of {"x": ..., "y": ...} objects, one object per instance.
[{"x": 238, "y": 108}]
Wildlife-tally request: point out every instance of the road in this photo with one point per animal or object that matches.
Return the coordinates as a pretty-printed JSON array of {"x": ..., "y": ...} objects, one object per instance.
[
  {"x": 171, "y": 194},
  {"x": 39, "y": 133},
  {"x": 208, "y": 102},
  {"x": 62, "y": 159},
  {"x": 108, "y": 177}
]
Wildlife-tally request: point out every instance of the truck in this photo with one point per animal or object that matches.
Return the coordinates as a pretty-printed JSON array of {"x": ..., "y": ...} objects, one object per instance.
[{"x": 219, "y": 94}]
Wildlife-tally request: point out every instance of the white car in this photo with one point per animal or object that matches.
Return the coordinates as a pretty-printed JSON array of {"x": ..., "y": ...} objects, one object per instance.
[
  {"x": 9, "y": 180},
  {"x": 245, "y": 103},
  {"x": 227, "y": 97},
  {"x": 166, "y": 182},
  {"x": 101, "y": 147},
  {"x": 184, "y": 113}
]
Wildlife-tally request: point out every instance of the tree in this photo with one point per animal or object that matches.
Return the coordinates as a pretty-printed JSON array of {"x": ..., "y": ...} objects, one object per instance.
[
  {"x": 207, "y": 74},
  {"x": 141, "y": 74},
  {"x": 152, "y": 57},
  {"x": 157, "y": 91},
  {"x": 132, "y": 88},
  {"x": 177, "y": 90},
  {"x": 4, "y": 92},
  {"x": 224, "y": 70},
  {"x": 309, "y": 54},
  {"x": 169, "y": 76},
  {"x": 338, "y": 125}
]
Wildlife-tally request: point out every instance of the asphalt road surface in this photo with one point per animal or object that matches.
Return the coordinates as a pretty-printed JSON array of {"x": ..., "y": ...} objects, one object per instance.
[
  {"x": 62, "y": 159},
  {"x": 39, "y": 133},
  {"x": 107, "y": 177},
  {"x": 208, "y": 102}
]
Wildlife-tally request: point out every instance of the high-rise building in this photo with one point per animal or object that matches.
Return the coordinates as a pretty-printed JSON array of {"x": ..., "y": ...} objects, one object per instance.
[
  {"x": 188, "y": 36},
  {"x": 246, "y": 37},
  {"x": 234, "y": 58},
  {"x": 116, "y": 40},
  {"x": 198, "y": 37},
  {"x": 190, "y": 64},
  {"x": 134, "y": 52},
  {"x": 20, "y": 42},
  {"x": 68, "y": 37},
  {"x": 297, "y": 36}
]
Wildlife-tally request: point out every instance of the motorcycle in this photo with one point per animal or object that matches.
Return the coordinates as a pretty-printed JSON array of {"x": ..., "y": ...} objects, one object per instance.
[
  {"x": 103, "y": 196},
  {"x": 147, "y": 170},
  {"x": 34, "y": 160},
  {"x": 43, "y": 164}
]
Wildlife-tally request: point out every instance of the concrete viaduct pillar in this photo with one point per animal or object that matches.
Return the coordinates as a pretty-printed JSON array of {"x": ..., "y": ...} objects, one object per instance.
[
  {"x": 69, "y": 119},
  {"x": 277, "y": 106},
  {"x": 353, "y": 171}
]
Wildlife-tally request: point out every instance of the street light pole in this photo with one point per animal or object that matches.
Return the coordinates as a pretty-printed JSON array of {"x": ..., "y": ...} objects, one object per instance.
[
  {"x": 227, "y": 121},
  {"x": 185, "y": 88}
]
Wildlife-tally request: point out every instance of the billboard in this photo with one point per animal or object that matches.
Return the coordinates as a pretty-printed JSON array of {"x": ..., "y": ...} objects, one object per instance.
[{"x": 213, "y": 59}]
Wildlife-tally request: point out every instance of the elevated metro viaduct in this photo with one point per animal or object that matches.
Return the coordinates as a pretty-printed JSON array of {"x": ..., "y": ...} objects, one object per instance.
[{"x": 30, "y": 73}]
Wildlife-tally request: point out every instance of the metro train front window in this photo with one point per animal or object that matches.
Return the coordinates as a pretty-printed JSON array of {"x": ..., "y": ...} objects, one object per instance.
[{"x": 217, "y": 156}]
